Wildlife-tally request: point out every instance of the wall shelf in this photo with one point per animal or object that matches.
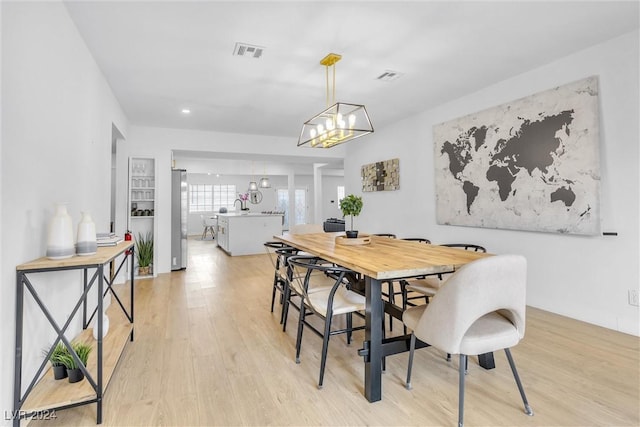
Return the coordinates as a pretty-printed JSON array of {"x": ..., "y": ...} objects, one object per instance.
[{"x": 142, "y": 192}]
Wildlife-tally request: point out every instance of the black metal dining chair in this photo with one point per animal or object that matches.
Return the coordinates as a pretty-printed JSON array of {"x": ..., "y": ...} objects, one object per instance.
[
  {"x": 278, "y": 252},
  {"x": 391, "y": 289},
  {"x": 428, "y": 286},
  {"x": 326, "y": 299},
  {"x": 390, "y": 294}
]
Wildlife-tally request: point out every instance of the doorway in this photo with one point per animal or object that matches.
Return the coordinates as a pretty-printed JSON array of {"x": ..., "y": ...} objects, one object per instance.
[{"x": 301, "y": 208}]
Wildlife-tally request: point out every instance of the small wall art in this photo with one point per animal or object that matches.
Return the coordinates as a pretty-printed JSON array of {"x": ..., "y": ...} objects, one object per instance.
[{"x": 381, "y": 176}]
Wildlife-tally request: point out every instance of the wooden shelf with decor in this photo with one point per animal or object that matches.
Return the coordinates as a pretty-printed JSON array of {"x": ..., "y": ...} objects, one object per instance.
[
  {"x": 47, "y": 394},
  {"x": 142, "y": 204}
]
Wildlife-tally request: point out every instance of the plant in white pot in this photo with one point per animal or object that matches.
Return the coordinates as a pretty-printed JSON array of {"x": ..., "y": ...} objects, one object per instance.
[{"x": 351, "y": 206}]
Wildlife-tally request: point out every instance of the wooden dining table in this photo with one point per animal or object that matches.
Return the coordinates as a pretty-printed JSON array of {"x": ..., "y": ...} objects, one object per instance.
[{"x": 381, "y": 260}]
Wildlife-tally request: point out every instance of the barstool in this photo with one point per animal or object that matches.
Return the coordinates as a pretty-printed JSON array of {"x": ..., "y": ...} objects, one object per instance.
[{"x": 209, "y": 227}]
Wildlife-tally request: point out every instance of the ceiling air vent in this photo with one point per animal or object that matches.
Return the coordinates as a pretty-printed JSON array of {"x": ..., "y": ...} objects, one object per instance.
[
  {"x": 389, "y": 76},
  {"x": 248, "y": 50}
]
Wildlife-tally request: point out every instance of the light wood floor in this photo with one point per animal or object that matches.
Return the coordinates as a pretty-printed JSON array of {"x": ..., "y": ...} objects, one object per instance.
[{"x": 209, "y": 352}]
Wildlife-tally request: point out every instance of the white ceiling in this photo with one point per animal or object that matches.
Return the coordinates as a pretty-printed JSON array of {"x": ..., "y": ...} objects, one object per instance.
[{"x": 160, "y": 56}]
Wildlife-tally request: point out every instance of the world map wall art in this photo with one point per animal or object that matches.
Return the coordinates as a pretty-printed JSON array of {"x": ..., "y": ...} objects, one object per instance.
[{"x": 531, "y": 164}]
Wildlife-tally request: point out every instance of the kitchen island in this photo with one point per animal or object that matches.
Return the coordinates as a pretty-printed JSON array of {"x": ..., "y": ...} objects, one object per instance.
[{"x": 245, "y": 233}]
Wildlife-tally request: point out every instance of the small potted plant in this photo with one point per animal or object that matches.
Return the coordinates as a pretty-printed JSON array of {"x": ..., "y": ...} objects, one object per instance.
[
  {"x": 56, "y": 359},
  {"x": 144, "y": 253},
  {"x": 73, "y": 370},
  {"x": 351, "y": 205}
]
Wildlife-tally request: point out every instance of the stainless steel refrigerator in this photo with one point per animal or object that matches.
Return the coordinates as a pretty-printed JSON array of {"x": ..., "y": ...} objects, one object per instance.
[{"x": 178, "y": 219}]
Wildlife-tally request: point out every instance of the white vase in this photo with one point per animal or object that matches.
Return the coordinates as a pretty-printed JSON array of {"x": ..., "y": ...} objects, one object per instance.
[
  {"x": 105, "y": 326},
  {"x": 60, "y": 234},
  {"x": 86, "y": 236}
]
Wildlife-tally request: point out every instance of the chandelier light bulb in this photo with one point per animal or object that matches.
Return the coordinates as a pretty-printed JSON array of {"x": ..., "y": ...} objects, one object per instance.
[
  {"x": 329, "y": 124},
  {"x": 352, "y": 120}
]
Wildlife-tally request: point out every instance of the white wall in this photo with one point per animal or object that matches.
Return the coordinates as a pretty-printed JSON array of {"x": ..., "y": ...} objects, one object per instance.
[
  {"x": 57, "y": 116},
  {"x": 330, "y": 205},
  {"x": 585, "y": 278}
]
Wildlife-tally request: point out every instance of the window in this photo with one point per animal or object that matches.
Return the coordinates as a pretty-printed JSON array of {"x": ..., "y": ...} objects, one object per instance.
[
  {"x": 210, "y": 198},
  {"x": 340, "y": 192},
  {"x": 224, "y": 196},
  {"x": 200, "y": 199}
]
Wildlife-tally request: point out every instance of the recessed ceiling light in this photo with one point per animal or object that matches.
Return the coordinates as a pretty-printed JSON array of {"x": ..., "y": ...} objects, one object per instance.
[{"x": 186, "y": 111}]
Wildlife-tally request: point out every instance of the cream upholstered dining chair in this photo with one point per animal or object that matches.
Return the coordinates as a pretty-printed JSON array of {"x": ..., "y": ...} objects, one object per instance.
[
  {"x": 426, "y": 287},
  {"x": 480, "y": 309},
  {"x": 330, "y": 297}
]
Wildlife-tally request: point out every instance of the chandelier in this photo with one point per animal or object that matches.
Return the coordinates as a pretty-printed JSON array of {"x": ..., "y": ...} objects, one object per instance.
[{"x": 340, "y": 122}]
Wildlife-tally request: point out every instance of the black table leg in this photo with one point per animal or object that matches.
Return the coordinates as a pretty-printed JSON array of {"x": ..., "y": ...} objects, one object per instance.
[
  {"x": 486, "y": 361},
  {"x": 373, "y": 340}
]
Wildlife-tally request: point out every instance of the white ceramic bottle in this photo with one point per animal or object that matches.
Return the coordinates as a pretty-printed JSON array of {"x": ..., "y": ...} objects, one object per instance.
[
  {"x": 60, "y": 234},
  {"x": 86, "y": 236},
  {"x": 105, "y": 326}
]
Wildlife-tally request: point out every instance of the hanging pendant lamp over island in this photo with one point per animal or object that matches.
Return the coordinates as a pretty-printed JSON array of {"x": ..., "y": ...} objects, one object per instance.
[{"x": 340, "y": 122}]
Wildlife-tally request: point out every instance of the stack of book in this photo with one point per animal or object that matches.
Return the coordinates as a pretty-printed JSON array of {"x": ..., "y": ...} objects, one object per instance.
[{"x": 108, "y": 239}]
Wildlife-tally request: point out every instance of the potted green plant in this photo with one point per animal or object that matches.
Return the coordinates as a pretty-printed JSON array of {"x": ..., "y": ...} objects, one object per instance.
[
  {"x": 144, "y": 253},
  {"x": 73, "y": 370},
  {"x": 351, "y": 206},
  {"x": 56, "y": 359}
]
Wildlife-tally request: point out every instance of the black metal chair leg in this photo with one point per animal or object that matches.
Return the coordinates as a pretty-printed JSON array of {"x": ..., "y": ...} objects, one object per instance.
[
  {"x": 273, "y": 295},
  {"x": 349, "y": 327},
  {"x": 527, "y": 408},
  {"x": 405, "y": 302},
  {"x": 461, "y": 375},
  {"x": 299, "y": 337},
  {"x": 325, "y": 348},
  {"x": 392, "y": 300},
  {"x": 384, "y": 335},
  {"x": 285, "y": 309},
  {"x": 412, "y": 348}
]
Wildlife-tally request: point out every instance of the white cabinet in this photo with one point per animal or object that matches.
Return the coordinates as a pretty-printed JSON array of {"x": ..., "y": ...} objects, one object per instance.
[
  {"x": 245, "y": 234},
  {"x": 142, "y": 196},
  {"x": 222, "y": 234}
]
